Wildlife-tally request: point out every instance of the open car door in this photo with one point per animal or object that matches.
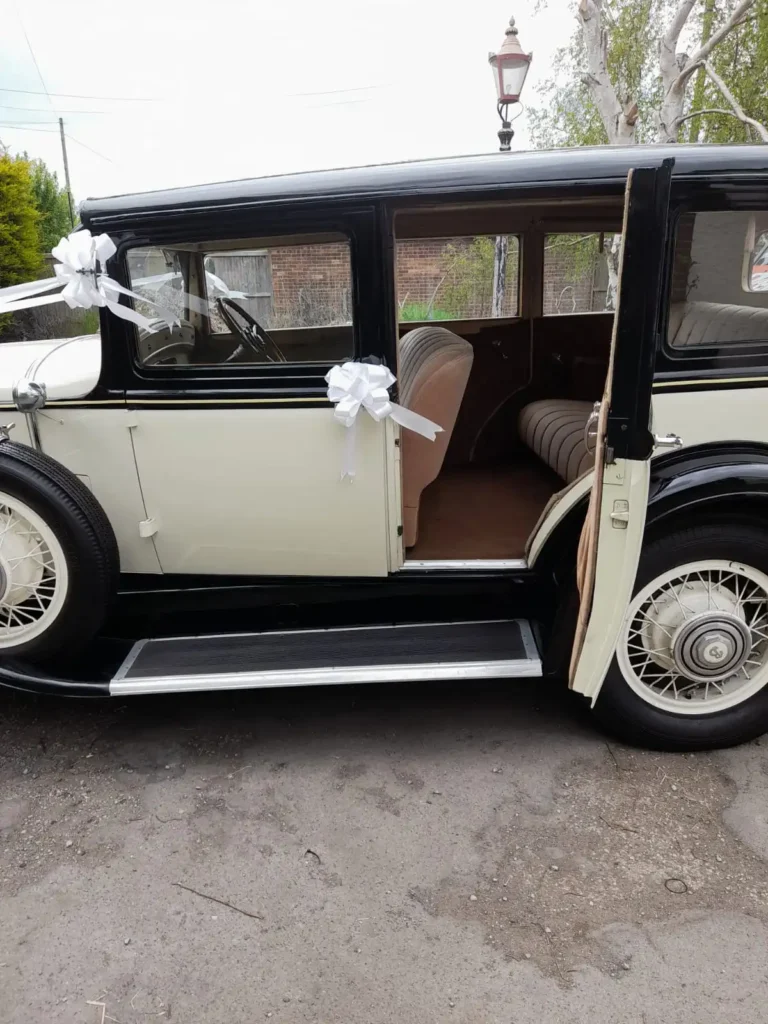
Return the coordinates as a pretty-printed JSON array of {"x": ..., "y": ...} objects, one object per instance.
[{"x": 611, "y": 540}]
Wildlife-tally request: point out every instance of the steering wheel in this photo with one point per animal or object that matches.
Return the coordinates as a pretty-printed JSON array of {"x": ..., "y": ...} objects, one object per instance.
[{"x": 251, "y": 332}]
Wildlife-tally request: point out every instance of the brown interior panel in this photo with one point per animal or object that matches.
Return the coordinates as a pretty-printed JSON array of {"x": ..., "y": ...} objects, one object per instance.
[
  {"x": 570, "y": 360},
  {"x": 483, "y": 511},
  {"x": 601, "y": 214}
]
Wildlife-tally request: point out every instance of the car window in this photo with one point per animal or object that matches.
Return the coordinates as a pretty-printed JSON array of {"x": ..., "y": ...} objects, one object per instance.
[
  {"x": 453, "y": 278},
  {"x": 260, "y": 304},
  {"x": 719, "y": 289},
  {"x": 580, "y": 272}
]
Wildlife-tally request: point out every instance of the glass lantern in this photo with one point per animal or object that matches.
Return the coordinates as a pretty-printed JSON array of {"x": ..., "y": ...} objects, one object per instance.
[{"x": 510, "y": 67}]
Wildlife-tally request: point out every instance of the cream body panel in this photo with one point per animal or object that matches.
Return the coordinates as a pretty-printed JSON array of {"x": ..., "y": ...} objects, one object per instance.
[
  {"x": 699, "y": 417},
  {"x": 258, "y": 491},
  {"x": 68, "y": 367},
  {"x": 618, "y": 554},
  {"x": 96, "y": 445}
]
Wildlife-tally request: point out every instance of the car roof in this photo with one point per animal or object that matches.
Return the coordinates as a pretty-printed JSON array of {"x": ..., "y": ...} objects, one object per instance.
[{"x": 434, "y": 177}]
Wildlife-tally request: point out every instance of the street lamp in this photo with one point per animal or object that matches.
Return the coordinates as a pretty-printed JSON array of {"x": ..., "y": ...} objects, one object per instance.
[{"x": 510, "y": 69}]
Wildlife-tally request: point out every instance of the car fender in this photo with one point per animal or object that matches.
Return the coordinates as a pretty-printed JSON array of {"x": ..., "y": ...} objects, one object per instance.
[{"x": 731, "y": 477}]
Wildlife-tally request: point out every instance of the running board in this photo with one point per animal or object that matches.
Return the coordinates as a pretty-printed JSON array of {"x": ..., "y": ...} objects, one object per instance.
[{"x": 501, "y": 649}]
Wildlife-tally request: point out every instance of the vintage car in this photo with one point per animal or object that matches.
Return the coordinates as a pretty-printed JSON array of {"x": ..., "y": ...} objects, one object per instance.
[{"x": 567, "y": 476}]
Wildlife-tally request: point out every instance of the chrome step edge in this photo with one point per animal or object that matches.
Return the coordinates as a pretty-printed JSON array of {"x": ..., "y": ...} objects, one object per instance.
[{"x": 528, "y": 668}]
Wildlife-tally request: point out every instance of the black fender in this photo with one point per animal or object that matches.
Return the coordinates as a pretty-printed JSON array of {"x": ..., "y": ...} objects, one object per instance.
[
  {"x": 724, "y": 478},
  {"x": 727, "y": 477}
]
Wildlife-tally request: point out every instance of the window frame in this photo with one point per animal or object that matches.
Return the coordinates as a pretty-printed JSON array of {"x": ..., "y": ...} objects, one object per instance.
[
  {"x": 360, "y": 225},
  {"x": 750, "y": 359}
]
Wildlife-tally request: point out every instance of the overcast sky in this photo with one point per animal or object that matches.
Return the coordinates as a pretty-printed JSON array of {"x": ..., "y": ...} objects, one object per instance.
[{"x": 239, "y": 88}]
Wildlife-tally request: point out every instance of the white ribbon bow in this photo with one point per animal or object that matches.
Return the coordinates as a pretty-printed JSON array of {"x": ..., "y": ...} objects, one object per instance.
[
  {"x": 356, "y": 386},
  {"x": 80, "y": 270}
]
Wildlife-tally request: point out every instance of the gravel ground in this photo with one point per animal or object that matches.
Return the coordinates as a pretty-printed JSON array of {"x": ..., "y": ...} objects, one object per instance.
[{"x": 370, "y": 855}]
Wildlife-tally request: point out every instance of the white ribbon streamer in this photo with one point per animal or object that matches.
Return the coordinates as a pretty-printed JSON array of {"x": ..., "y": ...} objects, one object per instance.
[
  {"x": 214, "y": 285},
  {"x": 82, "y": 258},
  {"x": 354, "y": 386}
]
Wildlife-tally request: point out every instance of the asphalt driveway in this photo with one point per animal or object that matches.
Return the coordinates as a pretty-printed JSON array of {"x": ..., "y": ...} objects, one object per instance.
[{"x": 409, "y": 854}]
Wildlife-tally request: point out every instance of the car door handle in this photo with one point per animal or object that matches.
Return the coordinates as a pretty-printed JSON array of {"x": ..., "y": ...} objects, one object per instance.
[
  {"x": 590, "y": 429},
  {"x": 667, "y": 441}
]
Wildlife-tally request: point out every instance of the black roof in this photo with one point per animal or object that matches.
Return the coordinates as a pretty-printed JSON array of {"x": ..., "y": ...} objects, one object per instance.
[{"x": 433, "y": 177}]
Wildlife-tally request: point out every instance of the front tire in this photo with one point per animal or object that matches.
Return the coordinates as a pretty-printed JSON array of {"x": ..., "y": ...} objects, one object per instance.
[
  {"x": 59, "y": 563},
  {"x": 691, "y": 666}
]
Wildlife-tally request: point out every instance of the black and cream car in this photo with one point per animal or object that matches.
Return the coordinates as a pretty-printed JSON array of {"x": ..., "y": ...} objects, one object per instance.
[{"x": 182, "y": 508}]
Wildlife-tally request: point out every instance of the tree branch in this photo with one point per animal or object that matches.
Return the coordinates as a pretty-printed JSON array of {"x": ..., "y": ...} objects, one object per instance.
[
  {"x": 668, "y": 50},
  {"x": 703, "y": 113},
  {"x": 678, "y": 23},
  {"x": 677, "y": 69},
  {"x": 725, "y": 29},
  {"x": 738, "y": 110}
]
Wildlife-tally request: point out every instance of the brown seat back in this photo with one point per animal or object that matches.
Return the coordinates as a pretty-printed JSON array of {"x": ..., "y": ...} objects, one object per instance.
[{"x": 434, "y": 370}]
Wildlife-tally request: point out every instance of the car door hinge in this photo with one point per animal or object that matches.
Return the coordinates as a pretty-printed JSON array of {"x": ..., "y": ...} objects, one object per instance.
[
  {"x": 148, "y": 527},
  {"x": 400, "y": 531},
  {"x": 620, "y": 514}
]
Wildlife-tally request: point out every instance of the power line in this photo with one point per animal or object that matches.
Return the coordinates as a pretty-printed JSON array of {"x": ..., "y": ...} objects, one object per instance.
[
  {"x": 89, "y": 148},
  {"x": 34, "y": 58},
  {"x": 18, "y": 128},
  {"x": 79, "y": 96},
  {"x": 6, "y": 123},
  {"x": 44, "y": 110}
]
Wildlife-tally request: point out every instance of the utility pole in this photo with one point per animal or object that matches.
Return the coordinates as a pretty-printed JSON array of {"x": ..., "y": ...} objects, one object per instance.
[{"x": 66, "y": 172}]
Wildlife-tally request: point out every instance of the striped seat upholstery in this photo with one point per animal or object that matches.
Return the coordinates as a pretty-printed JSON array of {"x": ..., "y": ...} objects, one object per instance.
[
  {"x": 553, "y": 428},
  {"x": 434, "y": 370},
  {"x": 716, "y": 323}
]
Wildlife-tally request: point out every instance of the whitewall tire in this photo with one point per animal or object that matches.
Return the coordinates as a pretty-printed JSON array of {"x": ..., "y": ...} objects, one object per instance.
[
  {"x": 691, "y": 665},
  {"x": 58, "y": 559}
]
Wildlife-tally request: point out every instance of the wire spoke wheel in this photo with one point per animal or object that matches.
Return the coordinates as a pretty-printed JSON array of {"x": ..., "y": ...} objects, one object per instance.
[
  {"x": 695, "y": 639},
  {"x": 33, "y": 573}
]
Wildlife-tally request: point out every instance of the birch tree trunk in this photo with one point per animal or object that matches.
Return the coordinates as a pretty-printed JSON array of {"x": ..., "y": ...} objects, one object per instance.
[
  {"x": 500, "y": 252},
  {"x": 619, "y": 114},
  {"x": 619, "y": 119}
]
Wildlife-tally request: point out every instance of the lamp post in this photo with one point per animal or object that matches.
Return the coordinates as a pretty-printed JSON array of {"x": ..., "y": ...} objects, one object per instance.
[{"x": 510, "y": 69}]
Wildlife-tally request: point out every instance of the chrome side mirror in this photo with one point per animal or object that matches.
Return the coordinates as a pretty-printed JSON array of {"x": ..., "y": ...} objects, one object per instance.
[{"x": 29, "y": 396}]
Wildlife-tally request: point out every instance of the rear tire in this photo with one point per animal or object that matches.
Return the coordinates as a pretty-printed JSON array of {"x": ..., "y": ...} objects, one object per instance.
[
  {"x": 59, "y": 563},
  {"x": 700, "y": 608}
]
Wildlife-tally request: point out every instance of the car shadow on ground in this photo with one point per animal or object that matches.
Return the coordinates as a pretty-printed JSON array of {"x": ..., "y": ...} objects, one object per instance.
[{"x": 414, "y": 711}]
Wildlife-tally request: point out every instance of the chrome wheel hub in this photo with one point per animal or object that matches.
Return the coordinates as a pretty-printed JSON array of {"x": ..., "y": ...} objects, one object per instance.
[
  {"x": 711, "y": 646},
  {"x": 695, "y": 640}
]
